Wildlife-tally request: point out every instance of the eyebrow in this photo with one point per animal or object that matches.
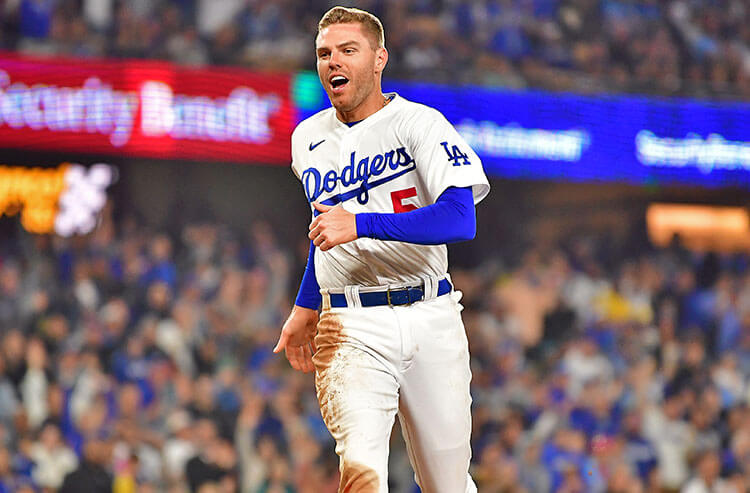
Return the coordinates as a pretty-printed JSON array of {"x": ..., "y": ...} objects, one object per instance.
[
  {"x": 347, "y": 43},
  {"x": 340, "y": 45}
]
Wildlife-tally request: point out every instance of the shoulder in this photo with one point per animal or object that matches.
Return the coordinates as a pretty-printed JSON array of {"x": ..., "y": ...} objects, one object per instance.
[
  {"x": 417, "y": 113},
  {"x": 312, "y": 125},
  {"x": 414, "y": 119}
]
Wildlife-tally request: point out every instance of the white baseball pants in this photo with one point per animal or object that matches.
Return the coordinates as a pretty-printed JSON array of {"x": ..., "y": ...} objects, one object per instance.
[{"x": 372, "y": 363}]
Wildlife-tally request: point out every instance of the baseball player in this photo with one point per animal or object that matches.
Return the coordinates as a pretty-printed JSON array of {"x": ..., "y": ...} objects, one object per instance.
[{"x": 389, "y": 183}]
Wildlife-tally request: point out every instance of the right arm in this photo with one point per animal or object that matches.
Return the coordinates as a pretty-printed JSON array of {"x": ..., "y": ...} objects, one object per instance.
[
  {"x": 298, "y": 333},
  {"x": 297, "y": 338},
  {"x": 299, "y": 330}
]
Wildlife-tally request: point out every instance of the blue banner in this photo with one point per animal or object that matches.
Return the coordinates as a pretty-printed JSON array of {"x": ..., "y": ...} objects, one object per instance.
[{"x": 539, "y": 135}]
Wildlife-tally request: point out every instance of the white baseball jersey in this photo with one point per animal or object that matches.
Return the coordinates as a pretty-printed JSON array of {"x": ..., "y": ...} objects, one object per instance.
[{"x": 398, "y": 159}]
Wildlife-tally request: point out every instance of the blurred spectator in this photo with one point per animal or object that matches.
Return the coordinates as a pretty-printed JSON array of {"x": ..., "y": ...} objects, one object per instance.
[
  {"x": 10, "y": 288},
  {"x": 216, "y": 462},
  {"x": 639, "y": 452},
  {"x": 706, "y": 478},
  {"x": 141, "y": 359},
  {"x": 34, "y": 383},
  {"x": 98, "y": 13},
  {"x": 672, "y": 437},
  {"x": 92, "y": 474},
  {"x": 36, "y": 17},
  {"x": 179, "y": 448},
  {"x": 213, "y": 15},
  {"x": 52, "y": 459},
  {"x": 8, "y": 399}
]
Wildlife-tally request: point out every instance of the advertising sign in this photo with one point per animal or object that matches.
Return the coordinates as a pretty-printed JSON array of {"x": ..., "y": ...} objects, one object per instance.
[
  {"x": 583, "y": 138},
  {"x": 539, "y": 135},
  {"x": 64, "y": 200},
  {"x": 144, "y": 108}
]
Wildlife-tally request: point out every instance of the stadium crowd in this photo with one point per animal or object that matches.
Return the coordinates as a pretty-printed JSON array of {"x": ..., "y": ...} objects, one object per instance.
[
  {"x": 134, "y": 359},
  {"x": 668, "y": 47}
]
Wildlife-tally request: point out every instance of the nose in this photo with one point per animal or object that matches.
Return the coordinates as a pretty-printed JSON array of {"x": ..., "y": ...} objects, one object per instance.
[{"x": 333, "y": 61}]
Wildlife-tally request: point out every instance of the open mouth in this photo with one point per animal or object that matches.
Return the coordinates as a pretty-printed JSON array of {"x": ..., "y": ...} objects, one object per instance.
[{"x": 338, "y": 82}]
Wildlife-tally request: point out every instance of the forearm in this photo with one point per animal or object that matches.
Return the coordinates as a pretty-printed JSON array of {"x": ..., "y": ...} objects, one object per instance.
[
  {"x": 450, "y": 219},
  {"x": 308, "y": 295}
]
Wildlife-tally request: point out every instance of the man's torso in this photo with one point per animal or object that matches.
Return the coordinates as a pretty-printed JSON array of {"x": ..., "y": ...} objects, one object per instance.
[{"x": 368, "y": 167}]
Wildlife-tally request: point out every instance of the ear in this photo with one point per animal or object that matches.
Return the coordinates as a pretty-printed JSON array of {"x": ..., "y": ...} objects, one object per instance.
[{"x": 381, "y": 59}]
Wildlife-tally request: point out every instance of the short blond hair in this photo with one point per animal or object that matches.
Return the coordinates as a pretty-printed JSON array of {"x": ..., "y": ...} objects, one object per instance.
[{"x": 345, "y": 15}]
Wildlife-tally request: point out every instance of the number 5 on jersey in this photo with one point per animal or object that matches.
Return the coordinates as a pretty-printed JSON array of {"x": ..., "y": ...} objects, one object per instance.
[
  {"x": 455, "y": 154},
  {"x": 398, "y": 197}
]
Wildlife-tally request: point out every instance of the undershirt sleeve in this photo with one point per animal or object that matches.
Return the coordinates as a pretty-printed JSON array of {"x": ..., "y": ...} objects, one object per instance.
[
  {"x": 450, "y": 219},
  {"x": 308, "y": 295}
]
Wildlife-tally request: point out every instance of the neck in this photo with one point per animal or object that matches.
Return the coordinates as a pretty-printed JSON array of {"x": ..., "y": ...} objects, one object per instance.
[{"x": 374, "y": 103}]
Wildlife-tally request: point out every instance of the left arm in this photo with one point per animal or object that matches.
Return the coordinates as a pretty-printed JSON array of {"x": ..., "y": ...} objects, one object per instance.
[
  {"x": 446, "y": 163},
  {"x": 450, "y": 219}
]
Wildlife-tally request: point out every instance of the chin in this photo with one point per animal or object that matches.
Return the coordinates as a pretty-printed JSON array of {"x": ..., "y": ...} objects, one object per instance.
[{"x": 342, "y": 104}]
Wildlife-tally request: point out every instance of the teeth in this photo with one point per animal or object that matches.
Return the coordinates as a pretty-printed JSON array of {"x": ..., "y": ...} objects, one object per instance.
[{"x": 338, "y": 80}]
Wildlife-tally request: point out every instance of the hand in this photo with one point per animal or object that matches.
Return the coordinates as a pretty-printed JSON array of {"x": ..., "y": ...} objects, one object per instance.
[
  {"x": 297, "y": 338},
  {"x": 334, "y": 226}
]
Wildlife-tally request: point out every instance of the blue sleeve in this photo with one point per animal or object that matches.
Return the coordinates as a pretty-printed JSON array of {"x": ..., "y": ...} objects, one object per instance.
[
  {"x": 450, "y": 219},
  {"x": 308, "y": 295}
]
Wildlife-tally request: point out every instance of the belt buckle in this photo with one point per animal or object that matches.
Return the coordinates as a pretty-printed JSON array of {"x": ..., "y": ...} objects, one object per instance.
[
  {"x": 390, "y": 301},
  {"x": 408, "y": 291},
  {"x": 409, "y": 300}
]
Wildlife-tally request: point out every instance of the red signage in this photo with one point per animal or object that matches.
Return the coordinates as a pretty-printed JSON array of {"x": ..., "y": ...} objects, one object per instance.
[{"x": 145, "y": 108}]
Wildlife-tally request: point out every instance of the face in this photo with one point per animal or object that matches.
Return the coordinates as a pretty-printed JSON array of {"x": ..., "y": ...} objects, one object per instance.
[{"x": 349, "y": 65}]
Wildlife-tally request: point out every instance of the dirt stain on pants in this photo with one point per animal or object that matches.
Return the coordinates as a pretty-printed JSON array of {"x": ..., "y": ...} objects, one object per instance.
[
  {"x": 356, "y": 478},
  {"x": 331, "y": 361}
]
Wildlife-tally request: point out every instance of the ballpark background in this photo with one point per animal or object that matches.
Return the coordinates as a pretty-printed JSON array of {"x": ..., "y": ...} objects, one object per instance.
[{"x": 152, "y": 238}]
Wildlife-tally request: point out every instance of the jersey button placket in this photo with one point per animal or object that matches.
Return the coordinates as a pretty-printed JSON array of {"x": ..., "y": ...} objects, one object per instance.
[{"x": 342, "y": 161}]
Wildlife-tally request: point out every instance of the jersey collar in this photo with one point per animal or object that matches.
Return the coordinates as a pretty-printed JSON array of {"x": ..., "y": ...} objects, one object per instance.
[{"x": 382, "y": 112}]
